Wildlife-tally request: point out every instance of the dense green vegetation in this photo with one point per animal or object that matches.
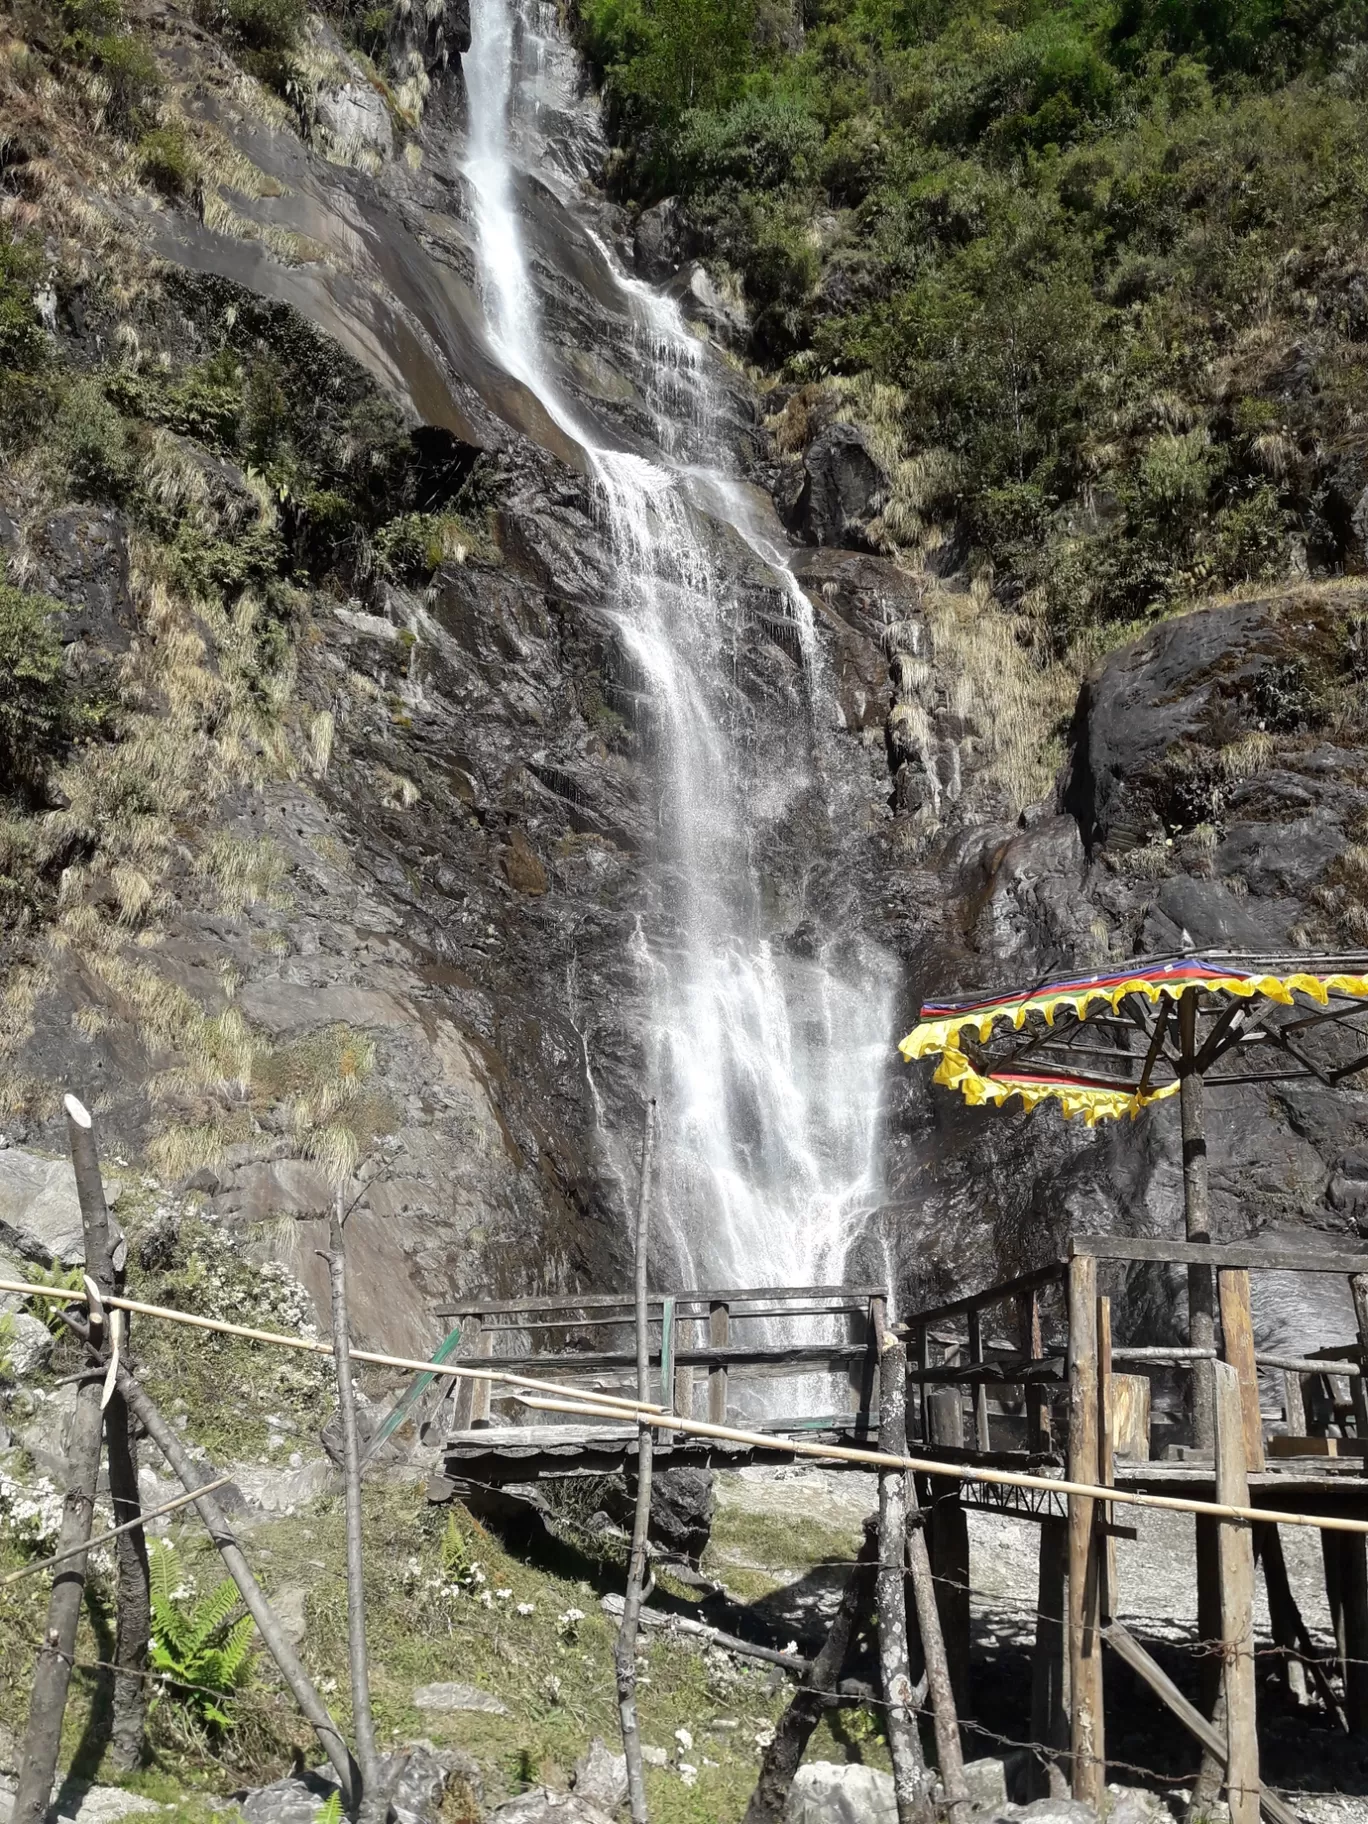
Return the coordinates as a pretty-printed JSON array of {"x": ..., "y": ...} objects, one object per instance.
[{"x": 1101, "y": 254}]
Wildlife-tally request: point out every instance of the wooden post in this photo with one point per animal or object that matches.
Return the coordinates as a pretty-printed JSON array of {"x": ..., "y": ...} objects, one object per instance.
[
  {"x": 1236, "y": 1549},
  {"x": 949, "y": 1550},
  {"x": 1197, "y": 1215},
  {"x": 1285, "y": 1622},
  {"x": 1130, "y": 1416},
  {"x": 719, "y": 1337},
  {"x": 1050, "y": 1662},
  {"x": 938, "y": 1680},
  {"x": 373, "y": 1805},
  {"x": 1358, "y": 1287},
  {"x": 1106, "y": 1459},
  {"x": 1085, "y": 1640},
  {"x": 52, "y": 1671},
  {"x": 194, "y": 1475},
  {"x": 982, "y": 1435},
  {"x": 1294, "y": 1405},
  {"x": 910, "y": 1785},
  {"x": 667, "y": 1354},
  {"x": 683, "y": 1391},
  {"x": 481, "y": 1390},
  {"x": 1211, "y": 1692},
  {"x": 1237, "y": 1330},
  {"x": 1346, "y": 1588},
  {"x": 624, "y": 1652},
  {"x": 133, "y": 1622},
  {"x": 1037, "y": 1401},
  {"x": 923, "y": 1342}
]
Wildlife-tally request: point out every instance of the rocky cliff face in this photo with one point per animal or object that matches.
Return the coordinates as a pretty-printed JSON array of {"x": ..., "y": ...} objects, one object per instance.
[{"x": 424, "y": 887}]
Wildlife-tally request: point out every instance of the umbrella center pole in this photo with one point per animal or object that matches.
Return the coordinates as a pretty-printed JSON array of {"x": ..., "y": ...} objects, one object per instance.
[{"x": 1197, "y": 1221}]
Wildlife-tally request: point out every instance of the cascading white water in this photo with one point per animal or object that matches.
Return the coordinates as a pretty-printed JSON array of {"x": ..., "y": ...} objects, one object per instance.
[{"x": 767, "y": 1064}]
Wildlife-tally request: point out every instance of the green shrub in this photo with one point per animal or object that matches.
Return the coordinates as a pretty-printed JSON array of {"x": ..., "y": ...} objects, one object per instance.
[
  {"x": 130, "y": 69},
  {"x": 23, "y": 345},
  {"x": 33, "y": 704},
  {"x": 167, "y": 162},
  {"x": 90, "y": 438},
  {"x": 203, "y": 1656}
]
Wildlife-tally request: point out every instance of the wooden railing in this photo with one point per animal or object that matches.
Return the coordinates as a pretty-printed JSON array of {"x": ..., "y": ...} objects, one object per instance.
[{"x": 691, "y": 1335}]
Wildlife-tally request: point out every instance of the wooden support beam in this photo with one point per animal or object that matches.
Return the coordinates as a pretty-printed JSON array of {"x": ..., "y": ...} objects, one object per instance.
[
  {"x": 719, "y": 1336},
  {"x": 949, "y": 1544},
  {"x": 1050, "y": 1662},
  {"x": 480, "y": 1390},
  {"x": 1346, "y": 1587},
  {"x": 1237, "y": 1328},
  {"x": 1294, "y": 1405},
  {"x": 1284, "y": 1617},
  {"x": 911, "y": 1786},
  {"x": 1127, "y": 1647},
  {"x": 1276, "y": 1259},
  {"x": 1236, "y": 1550},
  {"x": 1087, "y": 1743},
  {"x": 982, "y": 1436},
  {"x": 1032, "y": 1344}
]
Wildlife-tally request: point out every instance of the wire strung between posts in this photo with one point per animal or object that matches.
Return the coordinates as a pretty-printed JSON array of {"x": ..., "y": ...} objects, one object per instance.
[{"x": 621, "y": 1409}]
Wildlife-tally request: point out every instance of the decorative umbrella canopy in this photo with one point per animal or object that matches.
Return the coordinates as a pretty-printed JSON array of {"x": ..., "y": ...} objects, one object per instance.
[{"x": 1108, "y": 1044}]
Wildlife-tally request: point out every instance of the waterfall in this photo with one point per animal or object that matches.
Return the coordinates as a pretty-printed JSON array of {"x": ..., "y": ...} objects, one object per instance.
[{"x": 766, "y": 1057}]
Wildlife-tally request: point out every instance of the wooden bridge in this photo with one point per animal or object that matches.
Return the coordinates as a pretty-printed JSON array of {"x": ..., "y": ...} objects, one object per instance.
[
  {"x": 707, "y": 1353},
  {"x": 1022, "y": 1375}
]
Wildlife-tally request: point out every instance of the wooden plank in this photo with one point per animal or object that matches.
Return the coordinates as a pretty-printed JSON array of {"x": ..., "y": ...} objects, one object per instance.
[
  {"x": 1127, "y": 1647},
  {"x": 991, "y": 1295},
  {"x": 982, "y": 1436},
  {"x": 1237, "y": 1328},
  {"x": 1086, "y": 1735},
  {"x": 1130, "y": 1413},
  {"x": 1294, "y": 1405},
  {"x": 479, "y": 1305},
  {"x": 1215, "y": 1254},
  {"x": 778, "y": 1358},
  {"x": 719, "y": 1334},
  {"x": 1032, "y": 1343},
  {"x": 1236, "y": 1548}
]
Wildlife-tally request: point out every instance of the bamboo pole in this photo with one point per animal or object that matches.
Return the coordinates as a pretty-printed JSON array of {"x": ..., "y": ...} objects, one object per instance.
[
  {"x": 910, "y": 1790},
  {"x": 52, "y": 1672},
  {"x": 624, "y": 1652},
  {"x": 1236, "y": 1548},
  {"x": 1085, "y": 1573},
  {"x": 373, "y": 1807},
  {"x": 454, "y": 1370}
]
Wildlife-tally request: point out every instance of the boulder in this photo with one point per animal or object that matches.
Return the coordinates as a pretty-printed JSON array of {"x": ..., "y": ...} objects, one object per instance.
[
  {"x": 443, "y": 1699},
  {"x": 40, "y": 1217},
  {"x": 717, "y": 309},
  {"x": 843, "y": 489},
  {"x": 601, "y": 1776},
  {"x": 297, "y": 1800},
  {"x": 682, "y": 1508},
  {"x": 831, "y": 1792},
  {"x": 25, "y": 1345},
  {"x": 543, "y": 1806},
  {"x": 660, "y": 243},
  {"x": 416, "y": 1780},
  {"x": 986, "y": 1783}
]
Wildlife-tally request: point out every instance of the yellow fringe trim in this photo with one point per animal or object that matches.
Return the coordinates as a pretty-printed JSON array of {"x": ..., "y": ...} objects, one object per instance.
[
  {"x": 935, "y": 1036},
  {"x": 1094, "y": 1104}
]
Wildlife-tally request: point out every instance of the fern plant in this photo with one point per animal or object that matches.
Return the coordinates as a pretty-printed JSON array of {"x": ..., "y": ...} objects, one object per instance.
[
  {"x": 205, "y": 1656},
  {"x": 59, "y": 1279}
]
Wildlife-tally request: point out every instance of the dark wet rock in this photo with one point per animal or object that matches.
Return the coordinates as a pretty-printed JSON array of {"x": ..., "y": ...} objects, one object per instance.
[
  {"x": 661, "y": 240},
  {"x": 682, "y": 1508},
  {"x": 842, "y": 491},
  {"x": 79, "y": 556}
]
